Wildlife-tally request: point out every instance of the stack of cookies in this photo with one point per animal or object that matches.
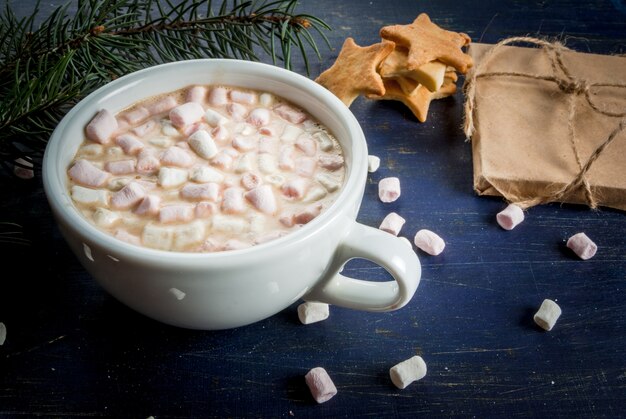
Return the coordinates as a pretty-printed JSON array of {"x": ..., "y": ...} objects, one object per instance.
[{"x": 413, "y": 63}]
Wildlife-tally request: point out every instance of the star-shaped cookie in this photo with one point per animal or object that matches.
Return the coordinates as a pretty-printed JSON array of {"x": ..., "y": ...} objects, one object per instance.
[
  {"x": 418, "y": 101},
  {"x": 428, "y": 42},
  {"x": 355, "y": 71}
]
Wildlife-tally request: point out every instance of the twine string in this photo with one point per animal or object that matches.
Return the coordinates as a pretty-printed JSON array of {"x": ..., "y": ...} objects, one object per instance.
[{"x": 568, "y": 85}]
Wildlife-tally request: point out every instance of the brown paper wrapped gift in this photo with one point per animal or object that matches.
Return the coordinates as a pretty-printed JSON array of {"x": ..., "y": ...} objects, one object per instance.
[{"x": 547, "y": 124}]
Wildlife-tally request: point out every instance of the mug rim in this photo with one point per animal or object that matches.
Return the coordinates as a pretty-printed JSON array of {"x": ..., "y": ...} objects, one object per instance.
[{"x": 71, "y": 217}]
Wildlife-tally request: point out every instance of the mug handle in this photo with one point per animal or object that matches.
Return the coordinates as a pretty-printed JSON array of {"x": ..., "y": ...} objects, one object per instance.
[{"x": 381, "y": 248}]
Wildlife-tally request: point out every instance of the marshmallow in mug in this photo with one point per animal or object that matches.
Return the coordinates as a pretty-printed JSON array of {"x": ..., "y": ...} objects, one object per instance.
[{"x": 204, "y": 167}]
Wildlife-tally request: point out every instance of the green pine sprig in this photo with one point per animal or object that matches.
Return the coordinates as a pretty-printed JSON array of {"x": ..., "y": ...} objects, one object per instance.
[{"x": 46, "y": 69}]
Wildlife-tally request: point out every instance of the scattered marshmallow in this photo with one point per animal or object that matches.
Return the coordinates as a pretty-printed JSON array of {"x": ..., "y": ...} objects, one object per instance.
[
  {"x": 135, "y": 115},
  {"x": 429, "y": 242},
  {"x": 510, "y": 217},
  {"x": 582, "y": 245},
  {"x": 233, "y": 201},
  {"x": 389, "y": 189},
  {"x": 313, "y": 312},
  {"x": 392, "y": 223},
  {"x": 406, "y": 372},
  {"x": 320, "y": 384},
  {"x": 291, "y": 133},
  {"x": 187, "y": 235},
  {"x": 373, "y": 163},
  {"x": 23, "y": 169},
  {"x": 548, "y": 314}
]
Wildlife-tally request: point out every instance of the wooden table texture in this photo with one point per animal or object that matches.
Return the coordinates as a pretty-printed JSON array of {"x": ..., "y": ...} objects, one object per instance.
[{"x": 72, "y": 350}]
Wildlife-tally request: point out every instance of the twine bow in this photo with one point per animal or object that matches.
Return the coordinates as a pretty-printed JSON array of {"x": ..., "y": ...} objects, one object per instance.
[{"x": 568, "y": 85}]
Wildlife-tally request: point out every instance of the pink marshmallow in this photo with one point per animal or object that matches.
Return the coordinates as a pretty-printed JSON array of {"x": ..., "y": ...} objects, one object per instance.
[
  {"x": 186, "y": 114},
  {"x": 250, "y": 180},
  {"x": 308, "y": 146},
  {"x": 205, "y": 209},
  {"x": 149, "y": 205},
  {"x": 233, "y": 201},
  {"x": 429, "y": 242},
  {"x": 259, "y": 117},
  {"x": 145, "y": 128},
  {"x": 209, "y": 191},
  {"x": 305, "y": 166},
  {"x": 176, "y": 213},
  {"x": 120, "y": 167},
  {"x": 582, "y": 245},
  {"x": 295, "y": 188},
  {"x": 292, "y": 115},
  {"x": 218, "y": 96},
  {"x": 147, "y": 163},
  {"x": 389, "y": 189},
  {"x": 262, "y": 198},
  {"x": 136, "y": 115},
  {"x": 196, "y": 94},
  {"x": 510, "y": 217},
  {"x": 392, "y": 223},
  {"x": 128, "y": 196},
  {"x": 101, "y": 127},
  {"x": 246, "y": 98},
  {"x": 320, "y": 384},
  {"x": 129, "y": 143},
  {"x": 86, "y": 174},
  {"x": 331, "y": 161},
  {"x": 286, "y": 218},
  {"x": 176, "y": 156},
  {"x": 162, "y": 105}
]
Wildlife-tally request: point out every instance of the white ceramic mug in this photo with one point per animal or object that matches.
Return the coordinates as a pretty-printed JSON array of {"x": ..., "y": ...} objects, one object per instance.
[{"x": 234, "y": 288}]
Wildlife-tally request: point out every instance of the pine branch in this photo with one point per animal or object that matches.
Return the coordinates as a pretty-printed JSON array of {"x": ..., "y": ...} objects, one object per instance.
[{"x": 46, "y": 69}]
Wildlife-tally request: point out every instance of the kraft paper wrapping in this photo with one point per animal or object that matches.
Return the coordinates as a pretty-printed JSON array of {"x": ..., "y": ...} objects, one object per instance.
[{"x": 522, "y": 142}]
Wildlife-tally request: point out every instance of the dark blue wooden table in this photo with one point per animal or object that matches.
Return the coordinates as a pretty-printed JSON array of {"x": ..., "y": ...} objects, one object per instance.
[{"x": 72, "y": 350}]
